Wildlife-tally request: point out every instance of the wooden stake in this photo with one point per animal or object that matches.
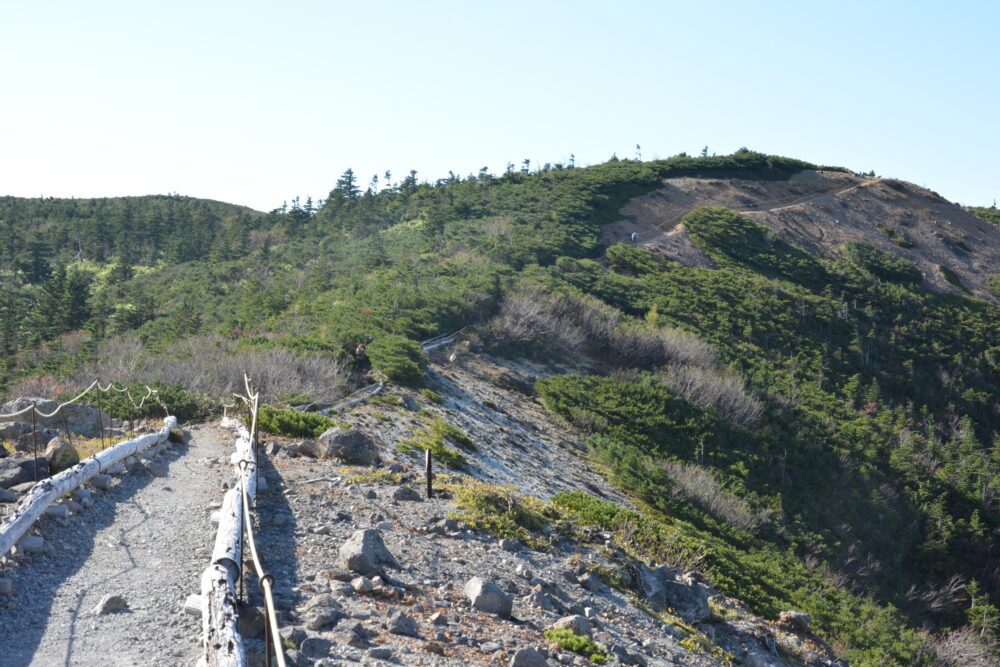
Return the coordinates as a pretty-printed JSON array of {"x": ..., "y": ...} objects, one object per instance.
[{"x": 430, "y": 474}]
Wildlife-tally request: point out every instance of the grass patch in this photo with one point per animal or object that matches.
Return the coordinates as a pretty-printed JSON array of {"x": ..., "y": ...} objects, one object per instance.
[
  {"x": 500, "y": 511},
  {"x": 388, "y": 400},
  {"x": 382, "y": 476},
  {"x": 432, "y": 395},
  {"x": 434, "y": 439},
  {"x": 584, "y": 646}
]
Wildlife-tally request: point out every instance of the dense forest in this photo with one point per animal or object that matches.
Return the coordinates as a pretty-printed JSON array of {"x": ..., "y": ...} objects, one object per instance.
[{"x": 844, "y": 417}]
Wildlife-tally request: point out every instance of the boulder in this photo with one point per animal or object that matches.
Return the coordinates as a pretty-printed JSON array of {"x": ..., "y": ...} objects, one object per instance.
[
  {"x": 796, "y": 621},
  {"x": 576, "y": 624},
  {"x": 41, "y": 437},
  {"x": 102, "y": 482},
  {"x": 366, "y": 553},
  {"x": 10, "y": 431},
  {"x": 528, "y": 657},
  {"x": 486, "y": 596},
  {"x": 348, "y": 445},
  {"x": 32, "y": 544},
  {"x": 60, "y": 455},
  {"x": 7, "y": 496},
  {"x": 82, "y": 419},
  {"x": 687, "y": 596},
  {"x": 15, "y": 471}
]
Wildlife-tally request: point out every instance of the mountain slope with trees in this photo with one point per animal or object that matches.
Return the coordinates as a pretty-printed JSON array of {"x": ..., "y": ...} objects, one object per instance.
[{"x": 839, "y": 411}]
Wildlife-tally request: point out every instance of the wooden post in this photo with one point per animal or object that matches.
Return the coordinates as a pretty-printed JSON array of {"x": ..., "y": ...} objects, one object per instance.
[
  {"x": 100, "y": 413},
  {"x": 430, "y": 474}
]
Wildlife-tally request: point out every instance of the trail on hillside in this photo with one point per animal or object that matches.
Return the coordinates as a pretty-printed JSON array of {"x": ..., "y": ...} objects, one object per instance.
[{"x": 146, "y": 539}]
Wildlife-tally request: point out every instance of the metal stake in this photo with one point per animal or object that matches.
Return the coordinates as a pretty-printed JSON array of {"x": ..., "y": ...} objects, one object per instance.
[
  {"x": 430, "y": 474},
  {"x": 34, "y": 439}
]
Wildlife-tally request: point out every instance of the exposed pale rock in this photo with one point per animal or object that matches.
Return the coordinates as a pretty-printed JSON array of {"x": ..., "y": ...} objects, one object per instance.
[
  {"x": 576, "y": 624},
  {"x": 60, "y": 455},
  {"x": 486, "y": 596},
  {"x": 366, "y": 553},
  {"x": 109, "y": 604},
  {"x": 403, "y": 624},
  {"x": 528, "y": 657}
]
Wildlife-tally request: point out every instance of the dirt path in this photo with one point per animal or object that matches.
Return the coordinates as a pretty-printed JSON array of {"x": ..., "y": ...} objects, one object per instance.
[{"x": 147, "y": 539}]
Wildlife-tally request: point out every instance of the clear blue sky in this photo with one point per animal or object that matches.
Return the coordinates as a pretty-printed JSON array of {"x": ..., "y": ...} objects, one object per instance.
[{"x": 256, "y": 102}]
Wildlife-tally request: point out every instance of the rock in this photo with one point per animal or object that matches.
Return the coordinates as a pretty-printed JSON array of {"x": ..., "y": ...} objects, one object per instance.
[
  {"x": 57, "y": 511},
  {"x": 21, "y": 489},
  {"x": 362, "y": 585},
  {"x": 380, "y": 653},
  {"x": 7, "y": 496},
  {"x": 486, "y": 596},
  {"x": 193, "y": 605},
  {"x": 315, "y": 647},
  {"x": 512, "y": 546},
  {"x": 625, "y": 657},
  {"x": 403, "y": 624},
  {"x": 406, "y": 493},
  {"x": 490, "y": 647},
  {"x": 348, "y": 445},
  {"x": 322, "y": 601},
  {"x": 292, "y": 635},
  {"x": 102, "y": 482},
  {"x": 528, "y": 657},
  {"x": 31, "y": 544},
  {"x": 3, "y": 451},
  {"x": 660, "y": 587},
  {"x": 41, "y": 437},
  {"x": 322, "y": 618},
  {"x": 439, "y": 618},
  {"x": 60, "y": 455},
  {"x": 305, "y": 448},
  {"x": 576, "y": 624},
  {"x": 592, "y": 583},
  {"x": 109, "y": 604},
  {"x": 354, "y": 634},
  {"x": 796, "y": 621},
  {"x": 366, "y": 553},
  {"x": 14, "y": 471},
  {"x": 341, "y": 589},
  {"x": 272, "y": 448},
  {"x": 542, "y": 600},
  {"x": 6, "y": 587},
  {"x": 13, "y": 430}
]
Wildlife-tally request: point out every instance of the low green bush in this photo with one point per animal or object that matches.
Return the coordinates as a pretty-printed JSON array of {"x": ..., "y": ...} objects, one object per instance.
[
  {"x": 881, "y": 263},
  {"x": 993, "y": 285},
  {"x": 292, "y": 423},
  {"x": 398, "y": 357},
  {"x": 584, "y": 646}
]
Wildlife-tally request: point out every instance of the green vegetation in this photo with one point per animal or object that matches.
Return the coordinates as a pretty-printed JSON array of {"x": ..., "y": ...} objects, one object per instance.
[
  {"x": 818, "y": 433},
  {"x": 993, "y": 285},
  {"x": 169, "y": 399},
  {"x": 432, "y": 395},
  {"x": 581, "y": 645},
  {"x": 292, "y": 423},
  {"x": 952, "y": 278},
  {"x": 500, "y": 511},
  {"x": 991, "y": 214},
  {"x": 881, "y": 263},
  {"x": 434, "y": 439}
]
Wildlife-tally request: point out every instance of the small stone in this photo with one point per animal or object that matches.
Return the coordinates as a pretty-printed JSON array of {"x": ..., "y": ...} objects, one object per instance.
[
  {"x": 380, "y": 653},
  {"x": 576, "y": 624},
  {"x": 524, "y": 572},
  {"x": 365, "y": 553},
  {"x": 325, "y": 618},
  {"x": 292, "y": 635},
  {"x": 57, "y": 511},
  {"x": 193, "y": 605},
  {"x": 592, "y": 583},
  {"x": 371, "y": 495},
  {"x": 403, "y": 624},
  {"x": 362, "y": 585},
  {"x": 439, "y": 618},
  {"x": 23, "y": 488},
  {"x": 528, "y": 657},
  {"x": 6, "y": 587},
  {"x": 384, "y": 526},
  {"x": 486, "y": 596},
  {"x": 341, "y": 589},
  {"x": 512, "y": 546},
  {"x": 32, "y": 544},
  {"x": 315, "y": 647},
  {"x": 7, "y": 496},
  {"x": 490, "y": 647},
  {"x": 109, "y": 604},
  {"x": 406, "y": 493}
]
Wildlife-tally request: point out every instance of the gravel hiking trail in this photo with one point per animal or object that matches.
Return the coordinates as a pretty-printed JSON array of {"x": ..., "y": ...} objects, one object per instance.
[{"x": 147, "y": 539}]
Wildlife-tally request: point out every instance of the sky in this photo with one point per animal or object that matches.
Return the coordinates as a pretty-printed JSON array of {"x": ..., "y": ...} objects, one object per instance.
[{"x": 257, "y": 102}]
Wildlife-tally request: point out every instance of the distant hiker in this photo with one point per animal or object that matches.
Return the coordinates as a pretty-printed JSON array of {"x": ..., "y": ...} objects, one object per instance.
[
  {"x": 635, "y": 238},
  {"x": 361, "y": 351}
]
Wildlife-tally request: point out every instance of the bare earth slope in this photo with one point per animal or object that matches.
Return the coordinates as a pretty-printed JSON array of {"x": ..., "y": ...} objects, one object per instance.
[{"x": 820, "y": 211}]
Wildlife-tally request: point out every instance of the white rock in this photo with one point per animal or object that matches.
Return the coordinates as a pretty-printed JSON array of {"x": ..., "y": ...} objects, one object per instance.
[
  {"x": 486, "y": 596},
  {"x": 110, "y": 603},
  {"x": 193, "y": 605}
]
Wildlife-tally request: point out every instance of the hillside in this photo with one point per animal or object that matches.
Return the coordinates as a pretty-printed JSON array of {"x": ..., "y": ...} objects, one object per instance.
[
  {"x": 954, "y": 250},
  {"x": 803, "y": 400}
]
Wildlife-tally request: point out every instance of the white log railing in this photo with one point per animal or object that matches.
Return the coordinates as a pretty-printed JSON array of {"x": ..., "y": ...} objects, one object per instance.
[{"x": 47, "y": 491}]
